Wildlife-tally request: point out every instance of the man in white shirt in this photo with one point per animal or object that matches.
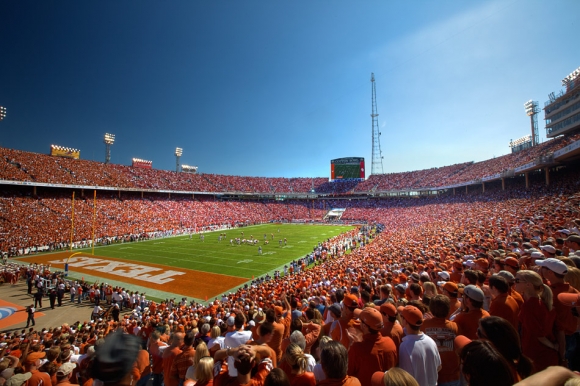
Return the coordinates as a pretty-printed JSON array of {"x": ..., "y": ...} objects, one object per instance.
[
  {"x": 418, "y": 354},
  {"x": 236, "y": 338}
]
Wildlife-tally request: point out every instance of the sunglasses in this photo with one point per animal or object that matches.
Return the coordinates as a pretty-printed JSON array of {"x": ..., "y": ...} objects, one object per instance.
[{"x": 518, "y": 280}]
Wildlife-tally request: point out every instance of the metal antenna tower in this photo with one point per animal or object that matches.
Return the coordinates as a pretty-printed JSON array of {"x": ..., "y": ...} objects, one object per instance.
[
  {"x": 377, "y": 159},
  {"x": 532, "y": 109}
]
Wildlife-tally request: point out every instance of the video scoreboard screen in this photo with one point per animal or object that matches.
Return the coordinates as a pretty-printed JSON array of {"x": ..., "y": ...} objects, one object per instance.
[{"x": 346, "y": 168}]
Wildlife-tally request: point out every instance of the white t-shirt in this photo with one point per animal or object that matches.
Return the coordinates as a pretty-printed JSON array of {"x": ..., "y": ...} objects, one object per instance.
[
  {"x": 219, "y": 340},
  {"x": 418, "y": 355},
  {"x": 233, "y": 340}
]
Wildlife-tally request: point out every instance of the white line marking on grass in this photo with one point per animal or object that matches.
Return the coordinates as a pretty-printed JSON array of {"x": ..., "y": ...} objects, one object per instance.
[
  {"x": 245, "y": 261},
  {"x": 160, "y": 242},
  {"x": 301, "y": 242},
  {"x": 269, "y": 253},
  {"x": 126, "y": 248}
]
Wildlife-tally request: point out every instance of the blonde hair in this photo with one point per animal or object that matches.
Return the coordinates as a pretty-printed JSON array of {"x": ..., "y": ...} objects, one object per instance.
[
  {"x": 200, "y": 352},
  {"x": 296, "y": 358},
  {"x": 543, "y": 291},
  {"x": 204, "y": 369},
  {"x": 398, "y": 377},
  {"x": 216, "y": 332},
  {"x": 573, "y": 277},
  {"x": 430, "y": 288}
]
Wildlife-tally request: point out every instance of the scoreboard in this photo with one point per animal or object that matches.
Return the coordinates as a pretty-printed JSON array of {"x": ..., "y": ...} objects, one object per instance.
[{"x": 346, "y": 168}]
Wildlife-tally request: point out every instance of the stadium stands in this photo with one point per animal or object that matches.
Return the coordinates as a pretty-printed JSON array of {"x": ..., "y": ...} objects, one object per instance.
[{"x": 16, "y": 165}]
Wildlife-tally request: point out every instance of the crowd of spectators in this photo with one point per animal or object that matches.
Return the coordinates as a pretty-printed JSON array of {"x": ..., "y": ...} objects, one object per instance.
[
  {"x": 448, "y": 288},
  {"x": 16, "y": 165}
]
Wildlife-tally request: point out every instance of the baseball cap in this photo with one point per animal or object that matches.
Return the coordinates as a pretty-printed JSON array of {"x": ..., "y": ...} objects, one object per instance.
[
  {"x": 573, "y": 239},
  {"x": 66, "y": 368},
  {"x": 444, "y": 275},
  {"x": 335, "y": 309},
  {"x": 460, "y": 342},
  {"x": 32, "y": 357},
  {"x": 388, "y": 309},
  {"x": 231, "y": 321},
  {"x": 450, "y": 287},
  {"x": 473, "y": 293},
  {"x": 569, "y": 299},
  {"x": 537, "y": 255},
  {"x": 279, "y": 310},
  {"x": 554, "y": 265},
  {"x": 371, "y": 317},
  {"x": 350, "y": 301},
  {"x": 378, "y": 378},
  {"x": 18, "y": 379},
  {"x": 512, "y": 262},
  {"x": 470, "y": 263},
  {"x": 548, "y": 248},
  {"x": 400, "y": 288},
  {"x": 412, "y": 315},
  {"x": 507, "y": 275},
  {"x": 482, "y": 262}
]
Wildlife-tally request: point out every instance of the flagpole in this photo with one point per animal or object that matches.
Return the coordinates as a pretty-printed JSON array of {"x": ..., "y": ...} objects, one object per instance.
[
  {"x": 72, "y": 226},
  {"x": 94, "y": 220}
]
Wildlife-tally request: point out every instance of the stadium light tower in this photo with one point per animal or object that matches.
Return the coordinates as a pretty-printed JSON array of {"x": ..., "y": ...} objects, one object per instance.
[
  {"x": 377, "y": 156},
  {"x": 178, "y": 153},
  {"x": 2, "y": 112},
  {"x": 109, "y": 140},
  {"x": 532, "y": 109}
]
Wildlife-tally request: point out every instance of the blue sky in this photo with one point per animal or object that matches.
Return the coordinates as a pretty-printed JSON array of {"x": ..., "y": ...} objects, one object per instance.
[{"x": 278, "y": 89}]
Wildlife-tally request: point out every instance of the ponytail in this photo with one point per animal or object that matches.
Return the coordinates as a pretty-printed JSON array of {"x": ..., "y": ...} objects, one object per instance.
[{"x": 547, "y": 297}]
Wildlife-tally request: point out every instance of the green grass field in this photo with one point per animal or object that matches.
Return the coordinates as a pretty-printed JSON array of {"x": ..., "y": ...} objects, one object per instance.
[{"x": 242, "y": 261}]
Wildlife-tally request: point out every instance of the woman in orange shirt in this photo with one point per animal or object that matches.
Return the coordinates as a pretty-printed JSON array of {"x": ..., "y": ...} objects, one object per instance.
[
  {"x": 537, "y": 318},
  {"x": 297, "y": 361}
]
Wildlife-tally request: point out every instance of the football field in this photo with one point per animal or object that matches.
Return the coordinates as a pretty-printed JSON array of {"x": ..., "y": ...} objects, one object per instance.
[
  {"x": 196, "y": 266},
  {"x": 211, "y": 255}
]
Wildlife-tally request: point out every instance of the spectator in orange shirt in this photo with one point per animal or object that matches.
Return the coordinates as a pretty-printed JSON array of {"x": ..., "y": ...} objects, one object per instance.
[
  {"x": 348, "y": 330},
  {"x": 537, "y": 318},
  {"x": 451, "y": 290},
  {"x": 443, "y": 332},
  {"x": 391, "y": 326},
  {"x": 502, "y": 304},
  {"x": 375, "y": 352},
  {"x": 468, "y": 321}
]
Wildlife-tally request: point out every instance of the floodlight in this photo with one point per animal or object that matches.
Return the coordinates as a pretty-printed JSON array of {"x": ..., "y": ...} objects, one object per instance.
[
  {"x": 109, "y": 138},
  {"x": 178, "y": 153},
  {"x": 2, "y": 112}
]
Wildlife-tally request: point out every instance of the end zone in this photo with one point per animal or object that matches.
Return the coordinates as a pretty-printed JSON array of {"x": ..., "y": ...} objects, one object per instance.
[{"x": 188, "y": 282}]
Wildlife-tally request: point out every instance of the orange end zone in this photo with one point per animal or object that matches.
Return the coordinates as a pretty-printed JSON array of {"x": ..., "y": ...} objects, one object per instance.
[
  {"x": 182, "y": 281},
  {"x": 12, "y": 314}
]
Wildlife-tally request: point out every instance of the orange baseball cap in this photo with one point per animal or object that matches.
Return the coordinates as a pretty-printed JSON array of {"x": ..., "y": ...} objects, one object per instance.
[
  {"x": 378, "y": 378},
  {"x": 33, "y": 357},
  {"x": 371, "y": 317},
  {"x": 450, "y": 287},
  {"x": 350, "y": 300},
  {"x": 388, "y": 309},
  {"x": 512, "y": 262},
  {"x": 460, "y": 342},
  {"x": 412, "y": 315}
]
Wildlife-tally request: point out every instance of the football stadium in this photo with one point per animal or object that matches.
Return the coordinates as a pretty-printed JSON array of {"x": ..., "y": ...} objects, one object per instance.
[{"x": 462, "y": 274}]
